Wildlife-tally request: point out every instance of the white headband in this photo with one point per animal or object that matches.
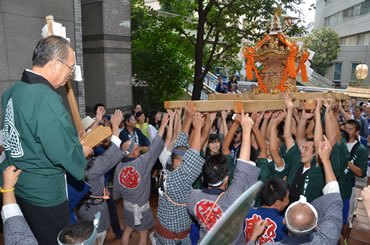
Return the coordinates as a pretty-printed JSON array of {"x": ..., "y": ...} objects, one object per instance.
[{"x": 301, "y": 200}]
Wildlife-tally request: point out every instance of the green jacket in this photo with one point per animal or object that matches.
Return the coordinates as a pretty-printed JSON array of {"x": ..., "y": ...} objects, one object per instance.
[
  {"x": 315, "y": 178},
  {"x": 347, "y": 177},
  {"x": 40, "y": 139}
]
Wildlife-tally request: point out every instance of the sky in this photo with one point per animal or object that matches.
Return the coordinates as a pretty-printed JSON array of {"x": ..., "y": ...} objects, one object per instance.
[{"x": 309, "y": 16}]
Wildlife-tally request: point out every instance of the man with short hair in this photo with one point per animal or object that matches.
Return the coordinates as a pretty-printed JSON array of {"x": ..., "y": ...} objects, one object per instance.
[
  {"x": 304, "y": 175},
  {"x": 364, "y": 131},
  {"x": 316, "y": 223},
  {"x": 132, "y": 183},
  {"x": 40, "y": 139},
  {"x": 274, "y": 199},
  {"x": 131, "y": 132},
  {"x": 222, "y": 86},
  {"x": 173, "y": 224},
  {"x": 207, "y": 206},
  {"x": 356, "y": 166}
]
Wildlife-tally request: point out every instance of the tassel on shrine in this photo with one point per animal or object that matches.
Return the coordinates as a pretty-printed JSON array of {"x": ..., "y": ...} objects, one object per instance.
[{"x": 249, "y": 72}]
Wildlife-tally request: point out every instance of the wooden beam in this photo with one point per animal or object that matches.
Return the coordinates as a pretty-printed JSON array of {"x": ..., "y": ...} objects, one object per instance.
[
  {"x": 280, "y": 96},
  {"x": 235, "y": 105},
  {"x": 96, "y": 136}
]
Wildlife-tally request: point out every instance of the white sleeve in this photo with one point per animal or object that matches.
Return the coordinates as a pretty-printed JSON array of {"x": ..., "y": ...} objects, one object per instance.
[
  {"x": 331, "y": 187},
  {"x": 165, "y": 154},
  {"x": 152, "y": 132},
  {"x": 10, "y": 210},
  {"x": 249, "y": 162},
  {"x": 115, "y": 140}
]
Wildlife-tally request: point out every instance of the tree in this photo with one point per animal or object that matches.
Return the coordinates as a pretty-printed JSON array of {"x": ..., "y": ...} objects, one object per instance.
[
  {"x": 160, "y": 56},
  {"x": 218, "y": 28},
  {"x": 325, "y": 43}
]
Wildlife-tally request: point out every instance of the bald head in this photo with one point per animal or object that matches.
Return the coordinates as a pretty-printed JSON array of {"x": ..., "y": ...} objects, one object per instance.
[{"x": 300, "y": 217}]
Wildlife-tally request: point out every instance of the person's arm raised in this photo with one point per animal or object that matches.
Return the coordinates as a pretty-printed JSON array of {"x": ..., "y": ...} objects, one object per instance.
[
  {"x": 318, "y": 136},
  {"x": 245, "y": 150},
  {"x": 274, "y": 146},
  {"x": 230, "y": 135},
  {"x": 324, "y": 153},
  {"x": 289, "y": 142},
  {"x": 169, "y": 134},
  {"x": 198, "y": 122},
  {"x": 189, "y": 113}
]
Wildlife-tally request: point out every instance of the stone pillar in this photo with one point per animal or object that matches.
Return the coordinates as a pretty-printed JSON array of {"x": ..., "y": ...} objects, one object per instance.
[
  {"x": 107, "y": 53},
  {"x": 80, "y": 88}
]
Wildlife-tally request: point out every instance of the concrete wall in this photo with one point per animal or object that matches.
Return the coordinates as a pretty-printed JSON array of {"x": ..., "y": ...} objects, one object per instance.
[
  {"x": 106, "y": 29},
  {"x": 348, "y": 54},
  {"x": 20, "y": 29}
]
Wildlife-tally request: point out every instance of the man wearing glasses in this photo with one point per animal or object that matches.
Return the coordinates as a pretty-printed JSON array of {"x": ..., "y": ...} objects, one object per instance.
[{"x": 40, "y": 139}]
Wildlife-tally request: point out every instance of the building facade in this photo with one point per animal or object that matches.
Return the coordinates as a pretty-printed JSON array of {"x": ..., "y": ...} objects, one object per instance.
[
  {"x": 100, "y": 34},
  {"x": 351, "y": 20}
]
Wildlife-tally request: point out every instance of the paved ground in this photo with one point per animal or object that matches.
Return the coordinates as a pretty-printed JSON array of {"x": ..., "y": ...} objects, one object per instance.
[{"x": 360, "y": 234}]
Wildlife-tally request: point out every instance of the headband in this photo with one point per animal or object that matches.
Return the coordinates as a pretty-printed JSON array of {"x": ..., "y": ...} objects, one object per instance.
[
  {"x": 178, "y": 152},
  {"x": 301, "y": 200},
  {"x": 92, "y": 238}
]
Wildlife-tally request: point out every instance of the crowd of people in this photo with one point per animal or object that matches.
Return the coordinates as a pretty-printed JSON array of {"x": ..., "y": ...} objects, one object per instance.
[{"x": 197, "y": 163}]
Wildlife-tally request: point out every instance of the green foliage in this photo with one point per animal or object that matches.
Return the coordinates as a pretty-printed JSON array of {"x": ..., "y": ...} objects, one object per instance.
[
  {"x": 325, "y": 43},
  {"x": 160, "y": 56},
  {"x": 213, "y": 27}
]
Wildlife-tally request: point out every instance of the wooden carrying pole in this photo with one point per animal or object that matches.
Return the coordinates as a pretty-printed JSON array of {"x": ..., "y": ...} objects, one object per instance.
[
  {"x": 235, "y": 105},
  {"x": 70, "y": 95},
  {"x": 100, "y": 133}
]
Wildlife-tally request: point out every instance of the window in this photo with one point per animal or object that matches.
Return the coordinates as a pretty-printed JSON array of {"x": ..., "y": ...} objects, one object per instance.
[
  {"x": 365, "y": 7},
  {"x": 353, "y": 71},
  {"x": 337, "y": 71}
]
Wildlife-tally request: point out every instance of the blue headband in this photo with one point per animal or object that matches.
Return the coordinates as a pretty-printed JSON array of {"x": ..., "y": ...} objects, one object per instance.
[{"x": 178, "y": 152}]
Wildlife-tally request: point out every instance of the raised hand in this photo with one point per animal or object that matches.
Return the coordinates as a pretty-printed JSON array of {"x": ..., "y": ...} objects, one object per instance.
[
  {"x": 259, "y": 117},
  {"x": 116, "y": 118},
  {"x": 100, "y": 112},
  {"x": 189, "y": 109},
  {"x": 238, "y": 118},
  {"x": 267, "y": 115},
  {"x": 324, "y": 149},
  {"x": 224, "y": 114},
  {"x": 171, "y": 114},
  {"x": 165, "y": 119},
  {"x": 246, "y": 121},
  {"x": 288, "y": 101},
  {"x": 198, "y": 120},
  {"x": 258, "y": 229},
  {"x": 280, "y": 117},
  {"x": 212, "y": 116}
]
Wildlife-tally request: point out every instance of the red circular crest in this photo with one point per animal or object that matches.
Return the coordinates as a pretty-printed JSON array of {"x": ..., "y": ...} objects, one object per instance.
[
  {"x": 129, "y": 177},
  {"x": 203, "y": 210}
]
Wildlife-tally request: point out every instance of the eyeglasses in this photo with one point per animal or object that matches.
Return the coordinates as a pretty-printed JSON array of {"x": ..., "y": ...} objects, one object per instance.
[{"x": 72, "y": 68}]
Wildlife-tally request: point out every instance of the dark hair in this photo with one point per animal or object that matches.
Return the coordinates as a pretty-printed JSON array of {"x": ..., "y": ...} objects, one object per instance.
[
  {"x": 215, "y": 169},
  {"x": 312, "y": 140},
  {"x": 50, "y": 48},
  {"x": 212, "y": 138},
  {"x": 97, "y": 105},
  {"x": 273, "y": 189},
  {"x": 354, "y": 123},
  {"x": 361, "y": 103},
  {"x": 152, "y": 117},
  {"x": 77, "y": 232},
  {"x": 344, "y": 134},
  {"x": 127, "y": 117},
  {"x": 358, "y": 108},
  {"x": 133, "y": 108},
  {"x": 138, "y": 114}
]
